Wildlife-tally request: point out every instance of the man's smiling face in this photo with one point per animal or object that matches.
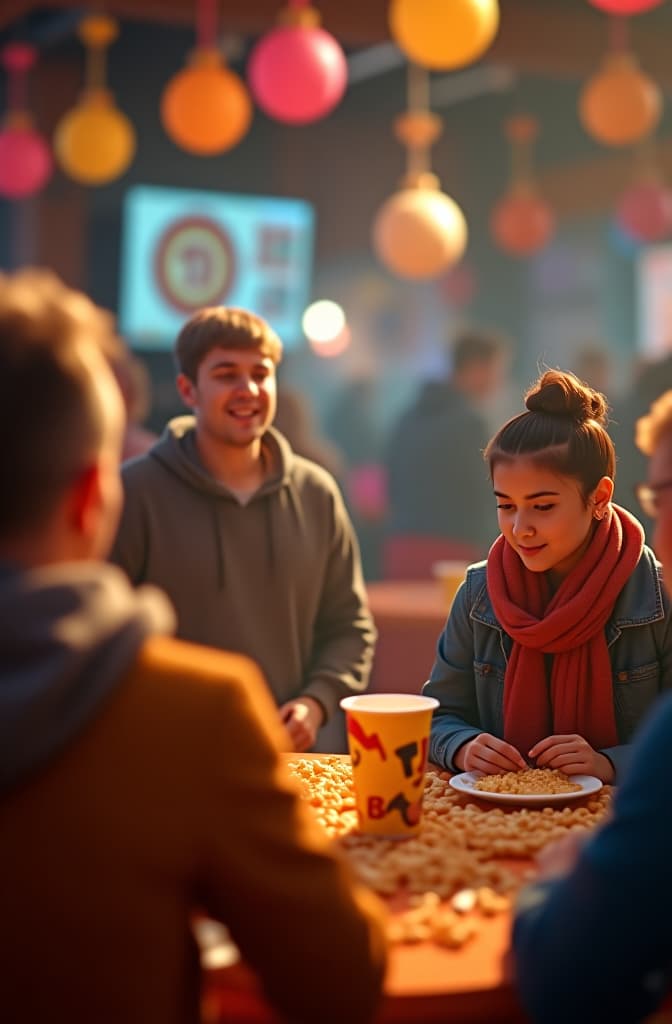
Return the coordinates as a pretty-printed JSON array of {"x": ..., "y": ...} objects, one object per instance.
[{"x": 234, "y": 397}]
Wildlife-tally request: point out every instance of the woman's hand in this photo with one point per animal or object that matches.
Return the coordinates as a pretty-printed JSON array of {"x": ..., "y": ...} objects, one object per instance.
[
  {"x": 572, "y": 755},
  {"x": 489, "y": 754}
]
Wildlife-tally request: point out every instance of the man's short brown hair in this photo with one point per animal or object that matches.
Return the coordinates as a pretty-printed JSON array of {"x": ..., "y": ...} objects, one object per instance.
[
  {"x": 50, "y": 415},
  {"x": 223, "y": 327},
  {"x": 656, "y": 424}
]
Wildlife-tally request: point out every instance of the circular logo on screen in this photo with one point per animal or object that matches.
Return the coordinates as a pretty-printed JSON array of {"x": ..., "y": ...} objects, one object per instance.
[{"x": 194, "y": 264}]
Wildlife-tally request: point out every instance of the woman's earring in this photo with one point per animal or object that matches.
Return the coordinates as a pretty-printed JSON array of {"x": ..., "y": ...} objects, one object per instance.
[{"x": 598, "y": 515}]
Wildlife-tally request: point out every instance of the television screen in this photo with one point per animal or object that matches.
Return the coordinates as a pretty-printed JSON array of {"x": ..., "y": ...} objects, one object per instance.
[{"x": 184, "y": 249}]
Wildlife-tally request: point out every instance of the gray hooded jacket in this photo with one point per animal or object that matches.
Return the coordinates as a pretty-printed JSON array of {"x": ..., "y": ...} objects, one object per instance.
[
  {"x": 278, "y": 578},
  {"x": 68, "y": 633}
]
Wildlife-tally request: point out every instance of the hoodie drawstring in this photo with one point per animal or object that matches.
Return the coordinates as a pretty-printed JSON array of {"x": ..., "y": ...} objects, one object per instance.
[{"x": 219, "y": 545}]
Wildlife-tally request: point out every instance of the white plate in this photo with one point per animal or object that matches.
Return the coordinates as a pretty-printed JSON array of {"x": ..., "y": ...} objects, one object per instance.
[{"x": 464, "y": 783}]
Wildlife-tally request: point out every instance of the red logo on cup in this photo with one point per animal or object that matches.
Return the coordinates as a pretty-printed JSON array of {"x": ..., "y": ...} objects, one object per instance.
[{"x": 376, "y": 807}]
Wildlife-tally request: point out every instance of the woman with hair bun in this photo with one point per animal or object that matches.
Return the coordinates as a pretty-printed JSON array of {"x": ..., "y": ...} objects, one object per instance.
[{"x": 559, "y": 642}]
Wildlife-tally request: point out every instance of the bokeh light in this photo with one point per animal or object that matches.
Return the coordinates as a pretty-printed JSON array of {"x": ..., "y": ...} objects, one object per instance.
[{"x": 323, "y": 321}]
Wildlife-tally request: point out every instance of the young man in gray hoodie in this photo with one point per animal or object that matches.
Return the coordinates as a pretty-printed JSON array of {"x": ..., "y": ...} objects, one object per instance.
[
  {"x": 140, "y": 777},
  {"x": 251, "y": 542}
]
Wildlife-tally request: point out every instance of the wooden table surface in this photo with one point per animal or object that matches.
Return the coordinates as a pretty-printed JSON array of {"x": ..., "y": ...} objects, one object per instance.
[{"x": 424, "y": 982}]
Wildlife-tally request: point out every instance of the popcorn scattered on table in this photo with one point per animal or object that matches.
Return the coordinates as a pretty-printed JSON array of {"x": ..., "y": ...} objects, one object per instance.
[{"x": 456, "y": 857}]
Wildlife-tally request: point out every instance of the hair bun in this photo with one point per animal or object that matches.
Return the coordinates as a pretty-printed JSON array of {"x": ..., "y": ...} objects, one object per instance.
[{"x": 558, "y": 393}]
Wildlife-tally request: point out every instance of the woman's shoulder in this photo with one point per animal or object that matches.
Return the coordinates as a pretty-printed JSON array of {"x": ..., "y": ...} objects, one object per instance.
[
  {"x": 476, "y": 573},
  {"x": 643, "y": 599},
  {"x": 476, "y": 596}
]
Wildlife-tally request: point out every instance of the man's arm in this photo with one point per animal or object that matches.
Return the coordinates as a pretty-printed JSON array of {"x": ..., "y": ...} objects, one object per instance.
[
  {"x": 596, "y": 945},
  {"x": 272, "y": 876},
  {"x": 345, "y": 635}
]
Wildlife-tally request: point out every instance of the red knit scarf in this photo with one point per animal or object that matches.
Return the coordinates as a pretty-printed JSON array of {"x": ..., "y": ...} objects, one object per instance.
[{"x": 568, "y": 624}]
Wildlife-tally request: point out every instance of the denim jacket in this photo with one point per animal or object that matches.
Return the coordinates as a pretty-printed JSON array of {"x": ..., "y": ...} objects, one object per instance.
[{"x": 472, "y": 652}]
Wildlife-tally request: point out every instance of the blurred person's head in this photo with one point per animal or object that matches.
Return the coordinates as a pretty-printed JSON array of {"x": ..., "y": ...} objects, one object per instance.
[
  {"x": 593, "y": 365},
  {"x": 62, "y": 417},
  {"x": 134, "y": 384},
  {"x": 654, "y": 378},
  {"x": 295, "y": 419},
  {"x": 653, "y": 436},
  {"x": 480, "y": 361}
]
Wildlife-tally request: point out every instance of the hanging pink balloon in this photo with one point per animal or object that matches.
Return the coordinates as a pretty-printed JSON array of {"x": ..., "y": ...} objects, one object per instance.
[
  {"x": 297, "y": 72},
  {"x": 25, "y": 161},
  {"x": 25, "y": 158},
  {"x": 625, "y": 6},
  {"x": 459, "y": 286},
  {"x": 644, "y": 211}
]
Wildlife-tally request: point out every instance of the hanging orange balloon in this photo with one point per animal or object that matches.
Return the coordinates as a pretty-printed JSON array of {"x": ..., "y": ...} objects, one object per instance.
[
  {"x": 522, "y": 222},
  {"x": 443, "y": 34},
  {"x": 95, "y": 142},
  {"x": 620, "y": 105},
  {"x": 206, "y": 108}
]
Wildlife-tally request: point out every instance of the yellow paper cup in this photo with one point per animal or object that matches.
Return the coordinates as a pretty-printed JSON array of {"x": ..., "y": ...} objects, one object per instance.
[
  {"x": 388, "y": 735},
  {"x": 449, "y": 575}
]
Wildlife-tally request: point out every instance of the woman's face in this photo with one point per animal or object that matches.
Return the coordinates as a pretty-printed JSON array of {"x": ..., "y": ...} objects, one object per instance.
[{"x": 544, "y": 516}]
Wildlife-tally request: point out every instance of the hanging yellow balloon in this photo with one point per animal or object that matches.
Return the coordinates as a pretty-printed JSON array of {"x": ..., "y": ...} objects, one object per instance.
[
  {"x": 95, "y": 142},
  {"x": 420, "y": 232},
  {"x": 443, "y": 34}
]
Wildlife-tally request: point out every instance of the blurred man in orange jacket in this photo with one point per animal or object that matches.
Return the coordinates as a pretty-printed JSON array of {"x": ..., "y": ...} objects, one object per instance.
[{"x": 139, "y": 775}]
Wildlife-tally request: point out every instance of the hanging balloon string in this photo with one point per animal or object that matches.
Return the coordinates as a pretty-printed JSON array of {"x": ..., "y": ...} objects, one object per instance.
[
  {"x": 619, "y": 33},
  {"x": 521, "y": 132},
  {"x": 300, "y": 13},
  {"x": 17, "y": 59},
  {"x": 646, "y": 159},
  {"x": 97, "y": 32},
  {"x": 417, "y": 84},
  {"x": 206, "y": 24},
  {"x": 417, "y": 88}
]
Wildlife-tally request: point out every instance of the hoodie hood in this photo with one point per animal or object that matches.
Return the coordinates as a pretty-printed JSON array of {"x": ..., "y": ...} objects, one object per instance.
[
  {"x": 176, "y": 450},
  {"x": 68, "y": 634}
]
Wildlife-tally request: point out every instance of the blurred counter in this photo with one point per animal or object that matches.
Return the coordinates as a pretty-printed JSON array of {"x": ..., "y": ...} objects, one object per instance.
[{"x": 409, "y": 616}]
